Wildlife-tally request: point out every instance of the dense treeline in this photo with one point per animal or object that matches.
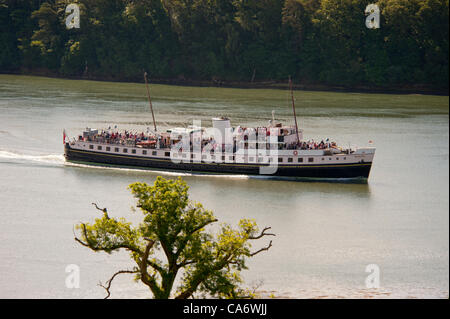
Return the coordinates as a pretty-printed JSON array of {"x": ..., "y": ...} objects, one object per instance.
[{"x": 316, "y": 41}]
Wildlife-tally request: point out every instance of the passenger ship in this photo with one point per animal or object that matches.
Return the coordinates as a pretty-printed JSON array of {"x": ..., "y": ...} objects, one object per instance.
[
  {"x": 243, "y": 155},
  {"x": 275, "y": 150}
]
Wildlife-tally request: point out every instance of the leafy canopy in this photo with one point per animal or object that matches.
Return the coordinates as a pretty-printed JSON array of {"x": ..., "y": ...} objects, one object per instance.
[
  {"x": 321, "y": 42},
  {"x": 173, "y": 227}
]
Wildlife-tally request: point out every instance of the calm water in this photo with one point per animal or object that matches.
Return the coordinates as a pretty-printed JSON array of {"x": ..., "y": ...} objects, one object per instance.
[{"x": 327, "y": 233}]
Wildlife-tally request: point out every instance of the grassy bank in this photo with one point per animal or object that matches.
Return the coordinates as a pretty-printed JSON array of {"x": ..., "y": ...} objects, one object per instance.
[{"x": 280, "y": 85}]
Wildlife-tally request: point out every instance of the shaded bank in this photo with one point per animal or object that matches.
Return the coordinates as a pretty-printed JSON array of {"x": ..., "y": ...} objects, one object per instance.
[{"x": 278, "y": 85}]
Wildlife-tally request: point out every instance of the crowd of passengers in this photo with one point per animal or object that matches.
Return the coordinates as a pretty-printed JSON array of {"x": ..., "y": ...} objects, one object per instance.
[
  {"x": 125, "y": 138},
  {"x": 311, "y": 145},
  {"x": 132, "y": 139}
]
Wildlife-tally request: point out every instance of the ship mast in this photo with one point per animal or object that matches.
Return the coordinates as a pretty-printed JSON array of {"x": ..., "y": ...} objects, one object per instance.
[
  {"x": 293, "y": 108},
  {"x": 150, "y": 101}
]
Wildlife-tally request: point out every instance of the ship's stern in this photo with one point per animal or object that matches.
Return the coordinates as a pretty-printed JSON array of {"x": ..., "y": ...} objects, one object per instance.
[{"x": 66, "y": 151}]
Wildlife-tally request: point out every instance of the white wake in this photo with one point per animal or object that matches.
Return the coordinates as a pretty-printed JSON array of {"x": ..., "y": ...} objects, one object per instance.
[
  {"x": 58, "y": 159},
  {"x": 154, "y": 171},
  {"x": 48, "y": 159}
]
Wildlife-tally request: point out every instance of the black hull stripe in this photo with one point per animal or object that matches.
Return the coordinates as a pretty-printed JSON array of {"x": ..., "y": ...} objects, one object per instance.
[{"x": 231, "y": 164}]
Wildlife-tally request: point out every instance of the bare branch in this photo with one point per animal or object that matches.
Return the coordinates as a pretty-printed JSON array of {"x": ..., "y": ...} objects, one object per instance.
[
  {"x": 85, "y": 236},
  {"x": 186, "y": 262},
  {"x": 97, "y": 248},
  {"x": 257, "y": 285},
  {"x": 261, "y": 250},
  {"x": 82, "y": 243},
  {"x": 104, "y": 210},
  {"x": 203, "y": 225},
  {"x": 109, "y": 282},
  {"x": 263, "y": 233}
]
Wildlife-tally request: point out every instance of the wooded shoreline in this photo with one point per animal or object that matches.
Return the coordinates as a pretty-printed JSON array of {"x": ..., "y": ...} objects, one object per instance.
[{"x": 320, "y": 44}]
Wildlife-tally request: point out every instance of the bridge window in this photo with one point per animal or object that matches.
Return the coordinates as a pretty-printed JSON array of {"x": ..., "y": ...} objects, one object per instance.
[
  {"x": 116, "y": 149},
  {"x": 300, "y": 159},
  {"x": 91, "y": 147},
  {"x": 133, "y": 151},
  {"x": 311, "y": 159},
  {"x": 167, "y": 154},
  {"x": 99, "y": 148},
  {"x": 144, "y": 152},
  {"x": 290, "y": 160},
  {"x": 153, "y": 153},
  {"x": 108, "y": 149}
]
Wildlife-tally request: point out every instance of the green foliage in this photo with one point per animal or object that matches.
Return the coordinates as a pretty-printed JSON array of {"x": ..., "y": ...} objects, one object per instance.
[
  {"x": 315, "y": 41},
  {"x": 174, "y": 226}
]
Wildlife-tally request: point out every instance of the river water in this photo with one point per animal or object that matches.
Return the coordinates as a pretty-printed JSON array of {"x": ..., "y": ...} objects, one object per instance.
[{"x": 327, "y": 233}]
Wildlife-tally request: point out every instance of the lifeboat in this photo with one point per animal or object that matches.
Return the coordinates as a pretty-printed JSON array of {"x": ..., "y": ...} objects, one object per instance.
[{"x": 146, "y": 144}]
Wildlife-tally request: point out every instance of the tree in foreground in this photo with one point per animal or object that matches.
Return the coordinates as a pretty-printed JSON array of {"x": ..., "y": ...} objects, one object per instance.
[{"x": 172, "y": 241}]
